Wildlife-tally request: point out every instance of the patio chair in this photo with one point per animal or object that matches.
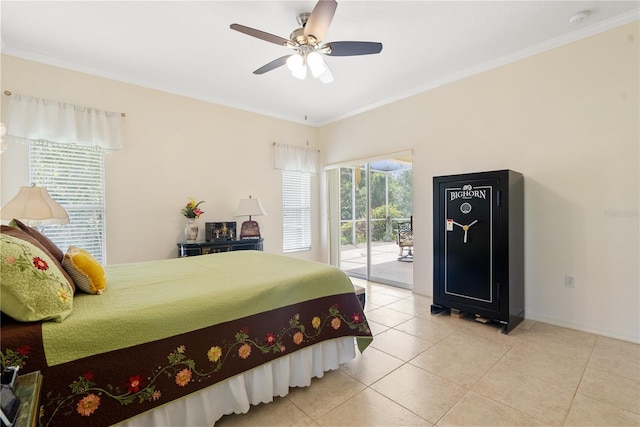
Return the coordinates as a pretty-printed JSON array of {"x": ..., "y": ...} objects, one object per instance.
[{"x": 405, "y": 241}]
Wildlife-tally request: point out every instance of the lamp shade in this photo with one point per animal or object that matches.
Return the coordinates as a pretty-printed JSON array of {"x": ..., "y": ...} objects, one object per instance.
[
  {"x": 316, "y": 64},
  {"x": 326, "y": 76},
  {"x": 297, "y": 66},
  {"x": 34, "y": 206},
  {"x": 250, "y": 207}
]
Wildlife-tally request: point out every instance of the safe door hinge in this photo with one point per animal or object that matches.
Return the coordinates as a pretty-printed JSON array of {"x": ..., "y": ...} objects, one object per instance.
[
  {"x": 498, "y": 198},
  {"x": 498, "y": 290}
]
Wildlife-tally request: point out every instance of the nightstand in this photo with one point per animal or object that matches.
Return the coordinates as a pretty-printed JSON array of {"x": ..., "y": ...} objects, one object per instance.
[{"x": 27, "y": 389}]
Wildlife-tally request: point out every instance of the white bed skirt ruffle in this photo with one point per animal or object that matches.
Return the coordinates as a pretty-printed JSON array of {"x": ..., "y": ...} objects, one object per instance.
[{"x": 259, "y": 385}]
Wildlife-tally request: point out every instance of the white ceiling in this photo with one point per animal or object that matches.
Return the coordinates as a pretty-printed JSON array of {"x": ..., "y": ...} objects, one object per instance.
[{"x": 187, "y": 48}]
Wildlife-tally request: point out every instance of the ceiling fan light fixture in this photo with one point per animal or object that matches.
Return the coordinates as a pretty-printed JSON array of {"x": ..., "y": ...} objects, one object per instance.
[
  {"x": 294, "y": 62},
  {"x": 296, "y": 65},
  {"x": 316, "y": 64},
  {"x": 300, "y": 73},
  {"x": 306, "y": 42},
  {"x": 326, "y": 77}
]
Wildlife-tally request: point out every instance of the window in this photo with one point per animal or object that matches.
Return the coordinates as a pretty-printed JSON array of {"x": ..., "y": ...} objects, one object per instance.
[
  {"x": 74, "y": 176},
  {"x": 296, "y": 211}
]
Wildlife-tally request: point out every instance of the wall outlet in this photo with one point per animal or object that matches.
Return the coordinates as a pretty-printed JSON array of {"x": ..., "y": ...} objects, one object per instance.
[{"x": 569, "y": 281}]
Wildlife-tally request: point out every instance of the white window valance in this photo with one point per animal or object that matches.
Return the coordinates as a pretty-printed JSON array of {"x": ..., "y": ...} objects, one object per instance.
[
  {"x": 32, "y": 118},
  {"x": 294, "y": 158}
]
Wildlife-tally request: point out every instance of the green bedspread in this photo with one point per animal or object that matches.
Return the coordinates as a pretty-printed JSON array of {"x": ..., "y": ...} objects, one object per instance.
[{"x": 152, "y": 300}]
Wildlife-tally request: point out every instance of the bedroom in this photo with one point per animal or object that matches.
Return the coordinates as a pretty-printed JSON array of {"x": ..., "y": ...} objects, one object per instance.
[{"x": 567, "y": 118}]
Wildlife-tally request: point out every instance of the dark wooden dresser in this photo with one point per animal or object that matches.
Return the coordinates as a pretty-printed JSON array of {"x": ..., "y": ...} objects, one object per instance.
[{"x": 204, "y": 248}]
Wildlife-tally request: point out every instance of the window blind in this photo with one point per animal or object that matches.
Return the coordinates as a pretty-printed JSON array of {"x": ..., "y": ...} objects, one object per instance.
[
  {"x": 74, "y": 176},
  {"x": 296, "y": 211}
]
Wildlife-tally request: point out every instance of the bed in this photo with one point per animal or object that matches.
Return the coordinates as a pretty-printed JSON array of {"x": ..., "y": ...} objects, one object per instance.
[{"x": 185, "y": 341}]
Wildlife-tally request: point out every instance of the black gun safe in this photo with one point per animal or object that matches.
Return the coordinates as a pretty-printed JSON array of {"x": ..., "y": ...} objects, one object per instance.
[{"x": 478, "y": 246}]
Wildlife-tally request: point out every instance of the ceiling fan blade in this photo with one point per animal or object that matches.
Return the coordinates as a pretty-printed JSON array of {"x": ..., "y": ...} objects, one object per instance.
[
  {"x": 272, "y": 65},
  {"x": 352, "y": 48},
  {"x": 320, "y": 19},
  {"x": 260, "y": 34}
]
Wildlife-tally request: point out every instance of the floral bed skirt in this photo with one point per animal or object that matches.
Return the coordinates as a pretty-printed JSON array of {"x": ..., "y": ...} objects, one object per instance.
[{"x": 259, "y": 385}]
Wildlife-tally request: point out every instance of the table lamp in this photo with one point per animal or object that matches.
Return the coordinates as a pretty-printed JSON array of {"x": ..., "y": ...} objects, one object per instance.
[
  {"x": 34, "y": 207},
  {"x": 250, "y": 207}
]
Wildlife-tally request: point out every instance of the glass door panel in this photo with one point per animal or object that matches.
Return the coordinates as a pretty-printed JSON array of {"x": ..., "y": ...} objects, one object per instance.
[
  {"x": 374, "y": 199},
  {"x": 353, "y": 220}
]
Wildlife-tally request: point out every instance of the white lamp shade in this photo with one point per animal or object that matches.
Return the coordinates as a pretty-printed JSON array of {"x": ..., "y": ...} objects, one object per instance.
[
  {"x": 327, "y": 75},
  {"x": 300, "y": 73},
  {"x": 296, "y": 64},
  {"x": 316, "y": 64},
  {"x": 250, "y": 207},
  {"x": 34, "y": 206}
]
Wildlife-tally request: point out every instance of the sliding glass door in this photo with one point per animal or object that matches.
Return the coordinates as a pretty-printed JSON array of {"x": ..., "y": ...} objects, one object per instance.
[
  {"x": 375, "y": 199},
  {"x": 353, "y": 220}
]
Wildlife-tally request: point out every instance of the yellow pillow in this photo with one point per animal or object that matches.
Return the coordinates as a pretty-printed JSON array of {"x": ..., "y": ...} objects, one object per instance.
[{"x": 86, "y": 272}]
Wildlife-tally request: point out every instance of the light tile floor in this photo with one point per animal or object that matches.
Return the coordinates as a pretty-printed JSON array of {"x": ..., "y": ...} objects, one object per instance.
[{"x": 424, "y": 370}]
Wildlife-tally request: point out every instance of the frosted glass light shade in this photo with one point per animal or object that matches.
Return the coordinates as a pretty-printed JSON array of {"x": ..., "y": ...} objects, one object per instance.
[
  {"x": 296, "y": 64},
  {"x": 316, "y": 64},
  {"x": 327, "y": 76}
]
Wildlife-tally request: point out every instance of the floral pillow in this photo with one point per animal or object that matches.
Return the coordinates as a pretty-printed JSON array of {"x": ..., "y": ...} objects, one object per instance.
[
  {"x": 85, "y": 270},
  {"x": 44, "y": 240},
  {"x": 32, "y": 286}
]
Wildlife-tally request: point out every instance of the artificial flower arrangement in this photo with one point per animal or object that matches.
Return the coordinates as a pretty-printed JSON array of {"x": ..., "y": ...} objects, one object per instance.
[{"x": 191, "y": 209}]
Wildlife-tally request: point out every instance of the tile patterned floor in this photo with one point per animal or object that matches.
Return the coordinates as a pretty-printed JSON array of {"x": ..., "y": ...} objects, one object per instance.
[{"x": 424, "y": 370}]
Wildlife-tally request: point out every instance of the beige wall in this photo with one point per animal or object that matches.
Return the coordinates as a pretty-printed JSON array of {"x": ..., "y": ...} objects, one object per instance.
[
  {"x": 568, "y": 119},
  {"x": 175, "y": 147}
]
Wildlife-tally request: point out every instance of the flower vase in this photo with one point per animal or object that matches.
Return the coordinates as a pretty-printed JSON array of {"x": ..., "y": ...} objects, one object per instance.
[{"x": 191, "y": 230}]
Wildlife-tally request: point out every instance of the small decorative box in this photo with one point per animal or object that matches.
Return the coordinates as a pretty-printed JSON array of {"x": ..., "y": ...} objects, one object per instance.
[{"x": 217, "y": 231}]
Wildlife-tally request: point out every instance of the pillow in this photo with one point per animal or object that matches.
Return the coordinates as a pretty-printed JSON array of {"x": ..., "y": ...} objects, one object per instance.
[
  {"x": 54, "y": 250},
  {"x": 32, "y": 286},
  {"x": 33, "y": 236},
  {"x": 86, "y": 272}
]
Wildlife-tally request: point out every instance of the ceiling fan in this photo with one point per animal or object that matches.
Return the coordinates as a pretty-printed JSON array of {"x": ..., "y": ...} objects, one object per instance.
[{"x": 306, "y": 41}]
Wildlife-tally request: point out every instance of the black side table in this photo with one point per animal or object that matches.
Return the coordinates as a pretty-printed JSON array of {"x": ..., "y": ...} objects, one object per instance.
[{"x": 204, "y": 248}]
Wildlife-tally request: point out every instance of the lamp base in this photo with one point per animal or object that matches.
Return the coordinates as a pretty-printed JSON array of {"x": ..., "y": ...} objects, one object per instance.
[{"x": 250, "y": 230}]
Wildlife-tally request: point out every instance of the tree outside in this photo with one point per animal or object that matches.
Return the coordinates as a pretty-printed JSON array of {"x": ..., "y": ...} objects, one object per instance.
[{"x": 391, "y": 202}]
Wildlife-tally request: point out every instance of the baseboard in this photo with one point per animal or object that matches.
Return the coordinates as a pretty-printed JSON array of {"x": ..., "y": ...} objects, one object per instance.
[{"x": 558, "y": 322}]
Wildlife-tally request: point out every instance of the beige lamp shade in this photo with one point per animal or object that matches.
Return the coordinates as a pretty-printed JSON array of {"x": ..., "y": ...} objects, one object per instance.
[
  {"x": 34, "y": 206},
  {"x": 250, "y": 207}
]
